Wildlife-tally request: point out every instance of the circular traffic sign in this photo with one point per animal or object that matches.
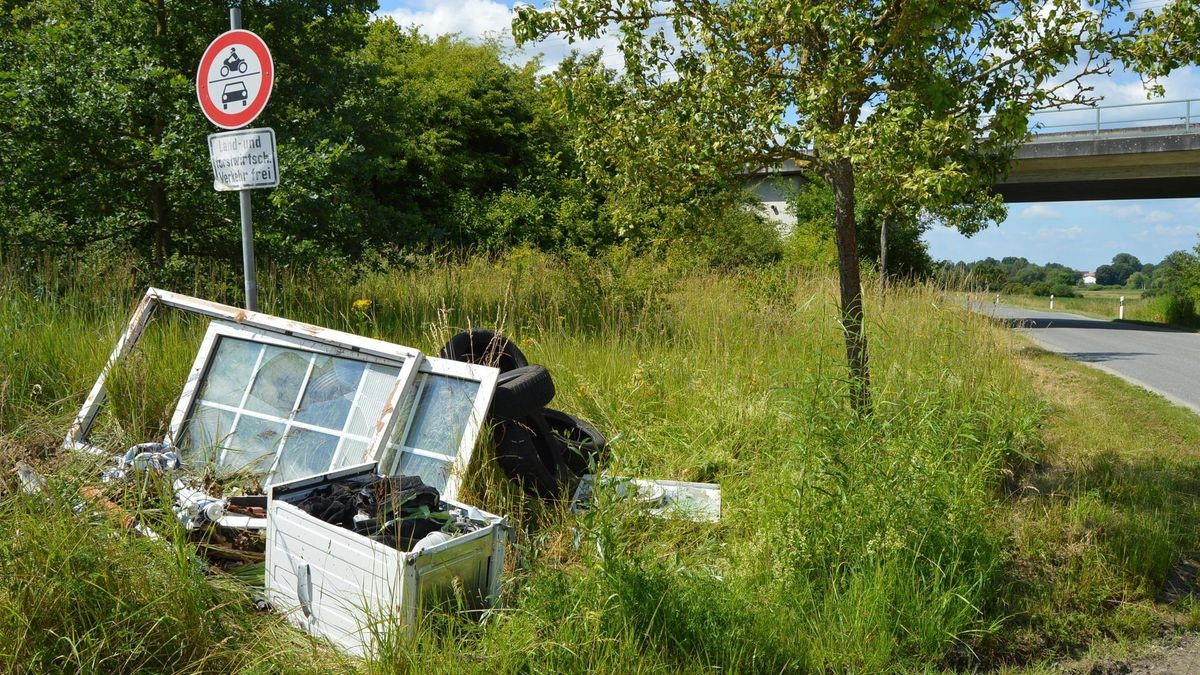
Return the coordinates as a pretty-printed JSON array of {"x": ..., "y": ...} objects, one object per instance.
[{"x": 234, "y": 79}]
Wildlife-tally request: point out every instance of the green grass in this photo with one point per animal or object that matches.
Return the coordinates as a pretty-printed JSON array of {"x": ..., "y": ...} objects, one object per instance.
[
  {"x": 1103, "y": 304},
  {"x": 897, "y": 542}
]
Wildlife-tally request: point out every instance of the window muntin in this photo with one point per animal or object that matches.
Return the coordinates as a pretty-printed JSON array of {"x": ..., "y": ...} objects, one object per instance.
[
  {"x": 436, "y": 405},
  {"x": 430, "y": 443},
  {"x": 284, "y": 411}
]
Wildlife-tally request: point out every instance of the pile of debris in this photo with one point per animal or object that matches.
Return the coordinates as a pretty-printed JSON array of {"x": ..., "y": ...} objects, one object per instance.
[
  {"x": 400, "y": 512},
  {"x": 360, "y": 447},
  {"x": 548, "y": 451}
]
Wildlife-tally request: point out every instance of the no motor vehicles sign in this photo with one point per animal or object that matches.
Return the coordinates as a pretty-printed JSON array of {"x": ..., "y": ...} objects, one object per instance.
[{"x": 234, "y": 80}]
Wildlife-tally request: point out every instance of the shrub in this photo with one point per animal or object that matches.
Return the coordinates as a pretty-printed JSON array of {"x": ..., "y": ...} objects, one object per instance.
[{"x": 1180, "y": 311}]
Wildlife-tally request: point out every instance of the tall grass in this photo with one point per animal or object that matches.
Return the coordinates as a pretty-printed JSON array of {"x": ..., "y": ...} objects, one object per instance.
[
  {"x": 1165, "y": 309},
  {"x": 846, "y": 544}
]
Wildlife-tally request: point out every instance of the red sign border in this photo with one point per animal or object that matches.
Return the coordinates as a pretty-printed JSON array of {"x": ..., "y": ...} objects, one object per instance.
[{"x": 215, "y": 48}]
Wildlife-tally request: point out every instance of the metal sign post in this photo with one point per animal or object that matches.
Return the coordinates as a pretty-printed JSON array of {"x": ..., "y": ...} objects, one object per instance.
[
  {"x": 248, "y": 267},
  {"x": 233, "y": 84}
]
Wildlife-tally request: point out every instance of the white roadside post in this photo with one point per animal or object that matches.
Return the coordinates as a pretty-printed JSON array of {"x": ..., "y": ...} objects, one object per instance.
[
  {"x": 997, "y": 299},
  {"x": 1051, "y": 301},
  {"x": 236, "y": 71},
  {"x": 1121, "y": 311}
]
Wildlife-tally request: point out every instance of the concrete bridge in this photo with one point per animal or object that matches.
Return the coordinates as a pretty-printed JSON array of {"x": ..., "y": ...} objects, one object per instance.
[
  {"x": 1134, "y": 151},
  {"x": 1131, "y": 151}
]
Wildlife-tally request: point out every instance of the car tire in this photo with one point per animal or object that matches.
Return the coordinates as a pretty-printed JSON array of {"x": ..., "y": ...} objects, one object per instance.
[
  {"x": 523, "y": 392},
  {"x": 551, "y": 448},
  {"x": 484, "y": 347},
  {"x": 517, "y": 455},
  {"x": 583, "y": 446}
]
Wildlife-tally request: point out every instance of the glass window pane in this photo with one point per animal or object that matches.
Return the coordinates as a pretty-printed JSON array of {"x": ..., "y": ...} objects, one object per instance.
[
  {"x": 376, "y": 388},
  {"x": 305, "y": 453},
  {"x": 330, "y": 392},
  {"x": 434, "y": 472},
  {"x": 278, "y": 381},
  {"x": 230, "y": 370},
  {"x": 442, "y": 414},
  {"x": 352, "y": 452},
  {"x": 207, "y": 432},
  {"x": 252, "y": 446}
]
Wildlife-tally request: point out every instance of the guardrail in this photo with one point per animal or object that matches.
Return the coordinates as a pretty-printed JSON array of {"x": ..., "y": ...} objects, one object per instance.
[{"x": 1177, "y": 115}]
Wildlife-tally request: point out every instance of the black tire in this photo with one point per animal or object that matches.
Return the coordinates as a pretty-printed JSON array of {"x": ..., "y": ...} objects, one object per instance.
[
  {"x": 517, "y": 455},
  {"x": 524, "y": 392},
  {"x": 583, "y": 445},
  {"x": 550, "y": 448},
  {"x": 484, "y": 347}
]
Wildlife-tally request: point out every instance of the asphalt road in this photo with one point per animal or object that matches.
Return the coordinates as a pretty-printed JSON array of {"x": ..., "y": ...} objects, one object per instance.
[{"x": 1162, "y": 360}]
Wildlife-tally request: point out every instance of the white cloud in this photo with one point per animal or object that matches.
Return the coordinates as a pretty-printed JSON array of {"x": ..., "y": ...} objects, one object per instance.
[
  {"x": 1060, "y": 233},
  {"x": 476, "y": 19},
  {"x": 1123, "y": 211},
  {"x": 471, "y": 18},
  {"x": 1041, "y": 212},
  {"x": 1177, "y": 231},
  {"x": 1157, "y": 216}
]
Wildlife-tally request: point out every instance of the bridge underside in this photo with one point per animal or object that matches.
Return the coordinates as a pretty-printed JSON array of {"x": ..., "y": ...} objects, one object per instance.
[{"x": 1125, "y": 165}]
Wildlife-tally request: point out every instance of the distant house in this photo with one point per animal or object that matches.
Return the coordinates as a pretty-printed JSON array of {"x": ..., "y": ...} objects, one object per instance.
[
  {"x": 773, "y": 187},
  {"x": 1089, "y": 278}
]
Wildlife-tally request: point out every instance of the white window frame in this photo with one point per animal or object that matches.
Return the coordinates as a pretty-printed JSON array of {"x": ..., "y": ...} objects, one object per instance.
[
  {"x": 486, "y": 377},
  {"x": 220, "y": 329},
  {"x": 284, "y": 332}
]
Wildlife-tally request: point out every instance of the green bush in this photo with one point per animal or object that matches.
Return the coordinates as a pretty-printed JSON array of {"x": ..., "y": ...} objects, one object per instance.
[
  {"x": 1045, "y": 289},
  {"x": 1180, "y": 311}
]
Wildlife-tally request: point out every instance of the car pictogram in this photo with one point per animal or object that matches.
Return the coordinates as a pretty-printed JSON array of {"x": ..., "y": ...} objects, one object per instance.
[{"x": 234, "y": 91}]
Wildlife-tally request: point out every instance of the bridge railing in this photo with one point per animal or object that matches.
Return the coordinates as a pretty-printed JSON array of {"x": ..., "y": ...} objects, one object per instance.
[{"x": 1177, "y": 115}]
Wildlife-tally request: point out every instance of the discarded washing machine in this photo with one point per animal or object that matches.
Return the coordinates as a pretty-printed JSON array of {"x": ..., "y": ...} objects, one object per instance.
[{"x": 358, "y": 572}]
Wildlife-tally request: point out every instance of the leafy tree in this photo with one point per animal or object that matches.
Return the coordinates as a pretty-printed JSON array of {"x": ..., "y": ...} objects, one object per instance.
[
  {"x": 989, "y": 277},
  {"x": 1118, "y": 273},
  {"x": 1030, "y": 274},
  {"x": 454, "y": 133},
  {"x": 104, "y": 140},
  {"x": 909, "y": 106},
  {"x": 1108, "y": 275},
  {"x": 1178, "y": 273}
]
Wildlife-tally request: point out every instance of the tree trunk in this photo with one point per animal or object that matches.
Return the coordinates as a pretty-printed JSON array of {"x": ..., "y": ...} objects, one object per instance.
[
  {"x": 162, "y": 222},
  {"x": 883, "y": 233},
  {"x": 841, "y": 179}
]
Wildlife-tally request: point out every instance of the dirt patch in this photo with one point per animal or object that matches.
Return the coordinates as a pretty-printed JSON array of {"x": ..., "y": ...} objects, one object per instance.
[
  {"x": 1180, "y": 657},
  {"x": 1181, "y": 581}
]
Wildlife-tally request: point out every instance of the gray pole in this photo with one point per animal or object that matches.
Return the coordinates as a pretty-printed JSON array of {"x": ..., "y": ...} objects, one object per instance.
[{"x": 235, "y": 22}]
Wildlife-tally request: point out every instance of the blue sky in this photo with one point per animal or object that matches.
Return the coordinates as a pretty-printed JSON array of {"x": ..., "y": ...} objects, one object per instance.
[{"x": 1082, "y": 235}]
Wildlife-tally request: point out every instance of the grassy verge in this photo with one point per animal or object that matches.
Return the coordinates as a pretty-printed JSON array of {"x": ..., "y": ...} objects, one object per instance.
[
  {"x": 902, "y": 541},
  {"x": 1098, "y": 305},
  {"x": 1105, "y": 528}
]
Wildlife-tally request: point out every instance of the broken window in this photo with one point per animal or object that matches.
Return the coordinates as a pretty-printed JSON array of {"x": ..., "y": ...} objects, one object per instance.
[
  {"x": 280, "y": 400},
  {"x": 437, "y": 434},
  {"x": 280, "y": 408}
]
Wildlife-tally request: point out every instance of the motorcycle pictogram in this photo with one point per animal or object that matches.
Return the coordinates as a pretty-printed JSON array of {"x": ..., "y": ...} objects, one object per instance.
[{"x": 233, "y": 63}]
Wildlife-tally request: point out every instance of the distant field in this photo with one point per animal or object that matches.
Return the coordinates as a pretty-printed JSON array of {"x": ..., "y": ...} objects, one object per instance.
[{"x": 1102, "y": 304}]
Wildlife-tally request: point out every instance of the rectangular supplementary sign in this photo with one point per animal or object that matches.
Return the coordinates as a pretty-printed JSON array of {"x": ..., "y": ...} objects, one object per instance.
[{"x": 244, "y": 159}]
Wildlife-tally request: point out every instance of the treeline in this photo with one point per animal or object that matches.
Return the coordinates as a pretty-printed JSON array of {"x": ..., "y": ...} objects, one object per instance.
[
  {"x": 389, "y": 142},
  {"x": 1011, "y": 275},
  {"x": 1178, "y": 274}
]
